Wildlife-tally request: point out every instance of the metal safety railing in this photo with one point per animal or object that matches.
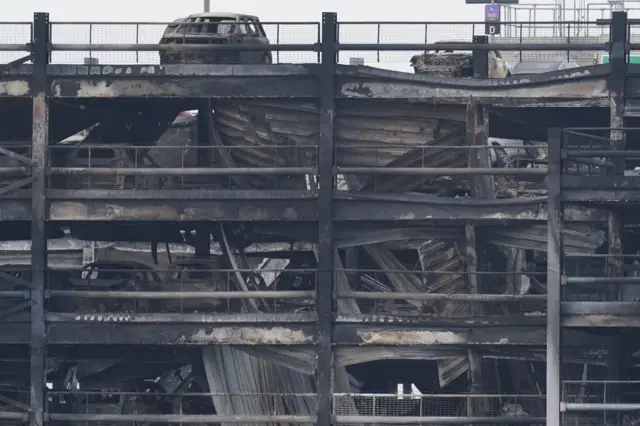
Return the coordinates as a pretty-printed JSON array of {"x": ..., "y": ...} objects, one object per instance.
[
  {"x": 412, "y": 408},
  {"x": 283, "y": 42},
  {"x": 449, "y": 292}
]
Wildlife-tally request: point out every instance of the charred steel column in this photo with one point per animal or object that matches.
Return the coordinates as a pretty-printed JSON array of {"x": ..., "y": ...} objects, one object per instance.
[
  {"x": 618, "y": 59},
  {"x": 480, "y": 58},
  {"x": 324, "y": 285},
  {"x": 618, "y": 55},
  {"x": 40, "y": 139},
  {"x": 554, "y": 277}
]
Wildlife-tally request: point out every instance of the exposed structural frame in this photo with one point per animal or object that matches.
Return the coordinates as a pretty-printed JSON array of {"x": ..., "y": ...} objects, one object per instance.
[
  {"x": 328, "y": 78},
  {"x": 555, "y": 217}
]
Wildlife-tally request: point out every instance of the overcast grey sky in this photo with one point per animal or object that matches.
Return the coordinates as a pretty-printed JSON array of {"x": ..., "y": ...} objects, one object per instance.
[{"x": 267, "y": 10}]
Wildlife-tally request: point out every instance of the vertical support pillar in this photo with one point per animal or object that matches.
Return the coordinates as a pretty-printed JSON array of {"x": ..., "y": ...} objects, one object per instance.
[
  {"x": 618, "y": 54},
  {"x": 40, "y": 140},
  {"x": 480, "y": 58},
  {"x": 483, "y": 187},
  {"x": 554, "y": 278},
  {"x": 326, "y": 275},
  {"x": 205, "y": 144}
]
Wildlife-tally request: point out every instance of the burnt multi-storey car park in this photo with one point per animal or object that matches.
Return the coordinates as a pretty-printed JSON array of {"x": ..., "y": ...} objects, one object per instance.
[{"x": 415, "y": 250}]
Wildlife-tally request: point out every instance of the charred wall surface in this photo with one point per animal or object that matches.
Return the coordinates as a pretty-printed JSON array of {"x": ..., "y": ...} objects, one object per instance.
[{"x": 317, "y": 243}]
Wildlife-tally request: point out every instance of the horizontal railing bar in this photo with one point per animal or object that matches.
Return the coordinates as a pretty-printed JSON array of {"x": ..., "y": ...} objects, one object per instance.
[
  {"x": 177, "y": 269},
  {"x": 602, "y": 280},
  {"x": 186, "y": 47},
  {"x": 597, "y": 47},
  {"x": 399, "y": 420},
  {"x": 432, "y": 271},
  {"x": 10, "y": 415},
  {"x": 14, "y": 171},
  {"x": 92, "y": 294},
  {"x": 181, "y": 394},
  {"x": 600, "y": 382},
  {"x": 443, "y": 395},
  {"x": 442, "y": 171},
  {"x": 292, "y": 23},
  {"x": 596, "y": 407},
  {"x": 187, "y": 171},
  {"x": 427, "y": 147},
  {"x": 605, "y": 21},
  {"x": 134, "y": 147},
  {"x": 381, "y": 295},
  {"x": 180, "y": 418},
  {"x": 17, "y": 47},
  {"x": 461, "y": 22},
  {"x": 601, "y": 256},
  {"x": 164, "y": 23},
  {"x": 316, "y": 47},
  {"x": 602, "y": 153},
  {"x": 603, "y": 129},
  {"x": 441, "y": 23},
  {"x": 14, "y": 294}
]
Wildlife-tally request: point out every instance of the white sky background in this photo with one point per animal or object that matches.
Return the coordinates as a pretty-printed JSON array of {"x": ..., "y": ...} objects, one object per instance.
[{"x": 268, "y": 11}]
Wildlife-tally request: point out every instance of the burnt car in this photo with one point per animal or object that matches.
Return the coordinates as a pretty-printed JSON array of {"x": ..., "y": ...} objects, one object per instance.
[
  {"x": 107, "y": 276},
  {"x": 537, "y": 67},
  {"x": 216, "y": 28},
  {"x": 448, "y": 63}
]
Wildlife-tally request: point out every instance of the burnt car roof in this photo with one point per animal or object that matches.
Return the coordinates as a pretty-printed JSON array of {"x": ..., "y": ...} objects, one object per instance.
[{"x": 219, "y": 15}]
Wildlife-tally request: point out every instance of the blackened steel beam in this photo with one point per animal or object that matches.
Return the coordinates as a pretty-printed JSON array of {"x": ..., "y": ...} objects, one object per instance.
[
  {"x": 554, "y": 278},
  {"x": 173, "y": 194},
  {"x": 186, "y": 318},
  {"x": 602, "y": 197},
  {"x": 561, "y": 86},
  {"x": 325, "y": 283},
  {"x": 40, "y": 140},
  {"x": 351, "y": 207},
  {"x": 96, "y": 332},
  {"x": 66, "y": 206},
  {"x": 367, "y": 334},
  {"x": 233, "y": 87},
  {"x": 182, "y": 70},
  {"x": 184, "y": 210},
  {"x": 90, "y": 329},
  {"x": 426, "y": 321}
]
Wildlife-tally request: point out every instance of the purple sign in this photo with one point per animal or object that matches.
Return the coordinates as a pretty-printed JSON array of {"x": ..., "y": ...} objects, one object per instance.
[{"x": 492, "y": 12}]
